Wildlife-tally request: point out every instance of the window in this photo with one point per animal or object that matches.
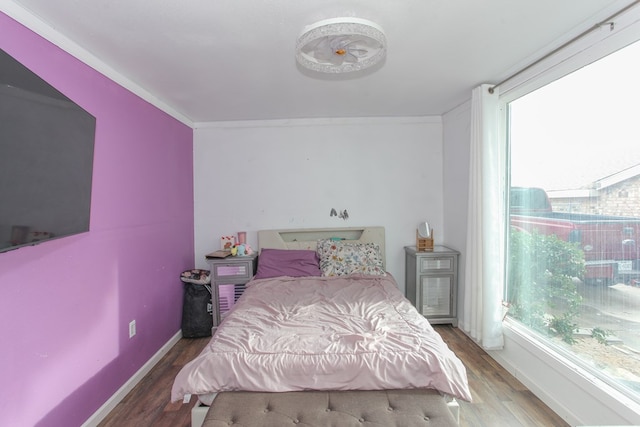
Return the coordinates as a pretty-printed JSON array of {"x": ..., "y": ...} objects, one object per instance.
[{"x": 574, "y": 241}]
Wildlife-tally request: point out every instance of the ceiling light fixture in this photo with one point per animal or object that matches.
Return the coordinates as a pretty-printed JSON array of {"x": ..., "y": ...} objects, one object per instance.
[{"x": 341, "y": 45}]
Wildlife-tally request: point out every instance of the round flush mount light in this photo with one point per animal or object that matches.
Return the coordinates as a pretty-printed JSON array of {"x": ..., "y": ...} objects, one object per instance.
[{"x": 341, "y": 45}]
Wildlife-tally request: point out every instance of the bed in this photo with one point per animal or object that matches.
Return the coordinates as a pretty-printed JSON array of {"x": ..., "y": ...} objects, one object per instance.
[{"x": 322, "y": 315}]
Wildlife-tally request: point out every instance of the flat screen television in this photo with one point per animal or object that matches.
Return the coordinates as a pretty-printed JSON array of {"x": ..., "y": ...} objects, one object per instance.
[{"x": 46, "y": 160}]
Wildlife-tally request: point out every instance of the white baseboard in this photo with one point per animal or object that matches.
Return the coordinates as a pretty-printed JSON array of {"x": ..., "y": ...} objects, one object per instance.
[{"x": 113, "y": 401}]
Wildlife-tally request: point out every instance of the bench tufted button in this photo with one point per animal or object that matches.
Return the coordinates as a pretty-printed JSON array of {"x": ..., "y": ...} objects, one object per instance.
[
  {"x": 426, "y": 418},
  {"x": 328, "y": 410},
  {"x": 389, "y": 408},
  {"x": 361, "y": 420},
  {"x": 296, "y": 421}
]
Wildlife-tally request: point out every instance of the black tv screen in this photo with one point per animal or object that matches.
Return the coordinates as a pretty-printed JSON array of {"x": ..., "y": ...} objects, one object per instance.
[{"x": 46, "y": 160}]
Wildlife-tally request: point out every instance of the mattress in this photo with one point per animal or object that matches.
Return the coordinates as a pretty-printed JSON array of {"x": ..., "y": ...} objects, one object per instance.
[{"x": 351, "y": 332}]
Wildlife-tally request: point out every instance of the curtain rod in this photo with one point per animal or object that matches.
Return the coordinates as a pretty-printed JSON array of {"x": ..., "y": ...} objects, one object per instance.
[{"x": 607, "y": 21}]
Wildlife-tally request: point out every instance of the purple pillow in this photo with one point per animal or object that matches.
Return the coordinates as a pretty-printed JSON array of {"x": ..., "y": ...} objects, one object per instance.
[{"x": 283, "y": 262}]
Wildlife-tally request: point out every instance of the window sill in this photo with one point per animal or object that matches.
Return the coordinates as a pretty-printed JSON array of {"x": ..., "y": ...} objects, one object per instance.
[{"x": 569, "y": 389}]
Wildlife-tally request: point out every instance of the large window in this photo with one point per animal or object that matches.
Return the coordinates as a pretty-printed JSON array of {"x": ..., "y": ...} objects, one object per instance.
[{"x": 574, "y": 241}]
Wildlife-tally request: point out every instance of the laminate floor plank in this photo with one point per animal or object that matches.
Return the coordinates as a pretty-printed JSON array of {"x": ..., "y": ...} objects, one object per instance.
[
  {"x": 149, "y": 403},
  {"x": 499, "y": 399}
]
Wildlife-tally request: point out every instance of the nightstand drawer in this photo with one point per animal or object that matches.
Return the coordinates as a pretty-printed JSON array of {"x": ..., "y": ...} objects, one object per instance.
[
  {"x": 430, "y": 265},
  {"x": 238, "y": 269}
]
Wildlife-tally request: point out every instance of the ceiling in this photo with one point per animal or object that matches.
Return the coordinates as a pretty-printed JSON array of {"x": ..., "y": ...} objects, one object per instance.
[{"x": 226, "y": 60}]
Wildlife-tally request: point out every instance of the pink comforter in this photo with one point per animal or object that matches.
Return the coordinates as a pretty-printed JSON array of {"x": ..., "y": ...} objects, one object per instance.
[{"x": 323, "y": 333}]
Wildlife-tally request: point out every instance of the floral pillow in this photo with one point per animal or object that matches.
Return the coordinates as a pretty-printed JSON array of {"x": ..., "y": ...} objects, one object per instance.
[{"x": 342, "y": 258}]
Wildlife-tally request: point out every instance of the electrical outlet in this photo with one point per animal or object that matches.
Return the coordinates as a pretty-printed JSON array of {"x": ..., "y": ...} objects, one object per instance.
[{"x": 132, "y": 328}]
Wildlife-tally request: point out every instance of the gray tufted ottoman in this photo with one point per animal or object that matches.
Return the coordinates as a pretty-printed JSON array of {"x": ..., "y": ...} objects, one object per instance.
[{"x": 389, "y": 408}]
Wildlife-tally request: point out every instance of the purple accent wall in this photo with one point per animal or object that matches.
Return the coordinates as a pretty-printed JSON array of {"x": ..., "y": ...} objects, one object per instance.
[{"x": 65, "y": 305}]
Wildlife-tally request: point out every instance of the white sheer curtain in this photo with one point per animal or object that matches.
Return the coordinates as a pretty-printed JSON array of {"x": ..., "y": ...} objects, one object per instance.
[{"x": 481, "y": 317}]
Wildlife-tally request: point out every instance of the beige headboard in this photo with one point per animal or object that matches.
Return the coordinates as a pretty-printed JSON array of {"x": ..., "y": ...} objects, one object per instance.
[{"x": 306, "y": 238}]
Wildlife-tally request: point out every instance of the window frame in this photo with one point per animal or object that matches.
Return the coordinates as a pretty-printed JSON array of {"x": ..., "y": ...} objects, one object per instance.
[{"x": 567, "y": 387}]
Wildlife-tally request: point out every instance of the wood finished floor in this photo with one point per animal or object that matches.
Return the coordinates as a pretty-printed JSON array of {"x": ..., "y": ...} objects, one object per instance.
[{"x": 498, "y": 398}]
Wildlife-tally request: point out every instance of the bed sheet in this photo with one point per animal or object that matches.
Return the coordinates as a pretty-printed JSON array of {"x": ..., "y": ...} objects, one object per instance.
[{"x": 323, "y": 333}]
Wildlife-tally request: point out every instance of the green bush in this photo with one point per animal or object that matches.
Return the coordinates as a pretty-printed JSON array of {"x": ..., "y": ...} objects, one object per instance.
[{"x": 542, "y": 293}]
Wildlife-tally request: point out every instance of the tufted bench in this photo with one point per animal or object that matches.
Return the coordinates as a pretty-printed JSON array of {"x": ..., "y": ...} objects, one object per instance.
[{"x": 400, "y": 408}]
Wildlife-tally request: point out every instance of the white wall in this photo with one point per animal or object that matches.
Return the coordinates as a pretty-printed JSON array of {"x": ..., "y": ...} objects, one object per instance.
[
  {"x": 289, "y": 174},
  {"x": 456, "y": 136}
]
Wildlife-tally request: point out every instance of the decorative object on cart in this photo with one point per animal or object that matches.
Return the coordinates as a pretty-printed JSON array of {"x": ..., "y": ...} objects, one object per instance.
[
  {"x": 227, "y": 242},
  {"x": 424, "y": 230},
  {"x": 222, "y": 253},
  {"x": 424, "y": 237},
  {"x": 197, "y": 308},
  {"x": 241, "y": 250},
  {"x": 242, "y": 237}
]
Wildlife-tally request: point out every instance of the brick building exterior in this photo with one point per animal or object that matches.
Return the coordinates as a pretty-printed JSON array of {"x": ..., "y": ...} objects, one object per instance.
[{"x": 618, "y": 195}]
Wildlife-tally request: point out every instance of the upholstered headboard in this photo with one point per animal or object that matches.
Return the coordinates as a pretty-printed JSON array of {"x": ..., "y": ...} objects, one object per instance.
[{"x": 306, "y": 238}]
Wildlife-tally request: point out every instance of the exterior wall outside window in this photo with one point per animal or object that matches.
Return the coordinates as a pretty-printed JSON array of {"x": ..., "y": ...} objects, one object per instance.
[{"x": 621, "y": 199}]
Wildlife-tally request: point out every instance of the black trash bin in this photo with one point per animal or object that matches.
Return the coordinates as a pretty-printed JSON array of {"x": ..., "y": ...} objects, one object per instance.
[{"x": 197, "y": 320}]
